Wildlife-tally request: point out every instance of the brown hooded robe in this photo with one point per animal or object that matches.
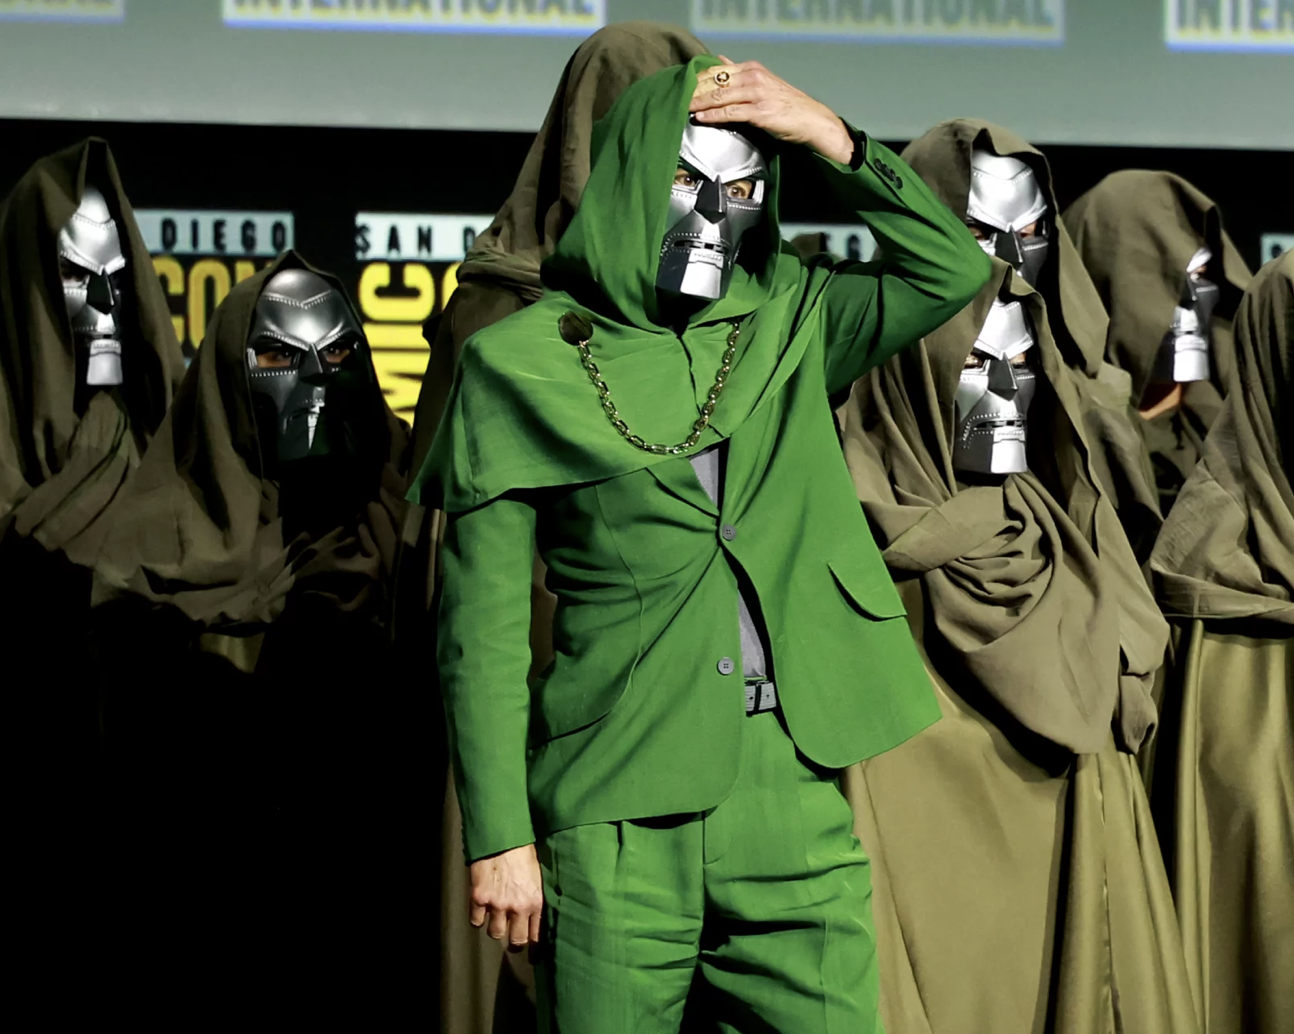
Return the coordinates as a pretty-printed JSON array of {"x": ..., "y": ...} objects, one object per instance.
[
  {"x": 943, "y": 159},
  {"x": 1224, "y": 575},
  {"x": 1017, "y": 881},
  {"x": 1136, "y": 231},
  {"x": 66, "y": 450},
  {"x": 500, "y": 276},
  {"x": 293, "y": 745}
]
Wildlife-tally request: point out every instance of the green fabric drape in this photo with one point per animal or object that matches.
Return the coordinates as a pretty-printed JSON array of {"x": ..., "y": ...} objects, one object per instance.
[
  {"x": 1018, "y": 885},
  {"x": 482, "y": 985},
  {"x": 1136, "y": 231},
  {"x": 1078, "y": 321},
  {"x": 1224, "y": 780}
]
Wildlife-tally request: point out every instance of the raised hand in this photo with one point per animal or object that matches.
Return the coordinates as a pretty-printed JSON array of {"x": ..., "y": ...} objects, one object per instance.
[{"x": 749, "y": 92}]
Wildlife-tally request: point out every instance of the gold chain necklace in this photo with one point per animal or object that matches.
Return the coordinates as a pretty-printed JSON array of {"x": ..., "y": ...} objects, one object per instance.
[{"x": 577, "y": 331}]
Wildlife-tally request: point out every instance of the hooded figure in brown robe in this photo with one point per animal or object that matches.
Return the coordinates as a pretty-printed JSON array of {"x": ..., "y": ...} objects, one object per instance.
[
  {"x": 272, "y": 751},
  {"x": 1168, "y": 275},
  {"x": 88, "y": 366},
  {"x": 944, "y": 159},
  {"x": 1017, "y": 880},
  {"x": 1224, "y": 575},
  {"x": 484, "y": 988}
]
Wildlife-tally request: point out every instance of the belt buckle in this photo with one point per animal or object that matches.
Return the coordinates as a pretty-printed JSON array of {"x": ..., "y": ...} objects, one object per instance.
[{"x": 761, "y": 697}]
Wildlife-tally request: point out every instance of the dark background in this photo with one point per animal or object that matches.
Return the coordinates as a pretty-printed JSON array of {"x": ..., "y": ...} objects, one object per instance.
[{"x": 324, "y": 176}]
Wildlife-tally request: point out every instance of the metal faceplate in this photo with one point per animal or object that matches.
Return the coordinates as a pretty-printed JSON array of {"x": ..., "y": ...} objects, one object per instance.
[
  {"x": 1184, "y": 352},
  {"x": 1005, "y": 196},
  {"x": 300, "y": 312},
  {"x": 705, "y": 225},
  {"x": 92, "y": 263},
  {"x": 992, "y": 401}
]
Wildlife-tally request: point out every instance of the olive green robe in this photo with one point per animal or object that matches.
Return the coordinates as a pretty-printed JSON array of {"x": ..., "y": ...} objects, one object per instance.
[
  {"x": 1017, "y": 880},
  {"x": 66, "y": 451},
  {"x": 1224, "y": 786},
  {"x": 1136, "y": 231},
  {"x": 1078, "y": 321},
  {"x": 275, "y": 750}
]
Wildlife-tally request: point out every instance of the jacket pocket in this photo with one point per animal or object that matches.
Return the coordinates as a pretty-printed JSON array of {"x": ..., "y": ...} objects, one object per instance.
[{"x": 865, "y": 580}]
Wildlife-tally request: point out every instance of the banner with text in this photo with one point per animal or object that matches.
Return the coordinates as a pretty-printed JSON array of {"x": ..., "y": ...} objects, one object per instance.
[
  {"x": 200, "y": 254},
  {"x": 63, "y": 10},
  {"x": 1276, "y": 244},
  {"x": 408, "y": 268},
  {"x": 553, "y": 17},
  {"x": 1257, "y": 25},
  {"x": 996, "y": 22}
]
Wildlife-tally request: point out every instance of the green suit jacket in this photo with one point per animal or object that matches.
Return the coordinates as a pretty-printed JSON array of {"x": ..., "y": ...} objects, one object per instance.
[{"x": 641, "y": 713}]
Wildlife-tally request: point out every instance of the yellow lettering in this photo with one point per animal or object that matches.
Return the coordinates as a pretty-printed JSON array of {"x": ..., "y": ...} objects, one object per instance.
[
  {"x": 416, "y": 277},
  {"x": 399, "y": 372},
  {"x": 448, "y": 284},
  {"x": 171, "y": 273},
  {"x": 243, "y": 268},
  {"x": 204, "y": 272}
]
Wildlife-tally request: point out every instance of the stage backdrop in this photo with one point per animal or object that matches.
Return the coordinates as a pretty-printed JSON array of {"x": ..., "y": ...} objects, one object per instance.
[{"x": 1135, "y": 72}]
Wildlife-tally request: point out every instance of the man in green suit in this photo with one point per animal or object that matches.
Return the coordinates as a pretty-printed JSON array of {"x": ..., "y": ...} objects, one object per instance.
[{"x": 727, "y": 637}]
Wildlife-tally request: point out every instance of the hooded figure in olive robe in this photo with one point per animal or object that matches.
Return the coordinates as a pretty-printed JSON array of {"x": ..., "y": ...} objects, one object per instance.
[
  {"x": 501, "y": 276},
  {"x": 1170, "y": 279},
  {"x": 991, "y": 177},
  {"x": 88, "y": 366},
  {"x": 1224, "y": 575},
  {"x": 1018, "y": 882},
  {"x": 659, "y": 420},
  {"x": 254, "y": 559}
]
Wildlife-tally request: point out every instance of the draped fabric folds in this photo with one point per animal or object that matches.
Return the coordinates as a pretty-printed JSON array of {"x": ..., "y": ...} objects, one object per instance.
[
  {"x": 1136, "y": 231},
  {"x": 1224, "y": 781},
  {"x": 1017, "y": 881},
  {"x": 1118, "y": 457}
]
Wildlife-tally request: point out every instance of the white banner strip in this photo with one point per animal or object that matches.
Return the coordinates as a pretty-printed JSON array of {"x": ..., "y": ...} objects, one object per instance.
[
  {"x": 1255, "y": 25},
  {"x": 559, "y": 17},
  {"x": 401, "y": 237},
  {"x": 997, "y": 22},
  {"x": 63, "y": 10},
  {"x": 207, "y": 232}
]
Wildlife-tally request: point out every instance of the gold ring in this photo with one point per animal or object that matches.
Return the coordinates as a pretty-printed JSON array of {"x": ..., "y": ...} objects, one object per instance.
[{"x": 722, "y": 77}]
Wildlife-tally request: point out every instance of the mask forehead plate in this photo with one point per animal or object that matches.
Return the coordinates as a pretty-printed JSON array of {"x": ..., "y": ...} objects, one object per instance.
[
  {"x": 1004, "y": 192},
  {"x": 90, "y": 239},
  {"x": 1006, "y": 332},
  {"x": 302, "y": 309},
  {"x": 722, "y": 155}
]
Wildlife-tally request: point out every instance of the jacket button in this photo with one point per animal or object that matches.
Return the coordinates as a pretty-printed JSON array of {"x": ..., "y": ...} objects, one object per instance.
[
  {"x": 728, "y": 532},
  {"x": 726, "y": 667}
]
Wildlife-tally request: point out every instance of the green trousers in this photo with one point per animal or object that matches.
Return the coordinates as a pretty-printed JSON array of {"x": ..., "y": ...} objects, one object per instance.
[{"x": 759, "y": 910}]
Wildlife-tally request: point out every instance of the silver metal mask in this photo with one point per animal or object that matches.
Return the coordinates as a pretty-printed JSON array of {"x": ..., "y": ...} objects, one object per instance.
[
  {"x": 306, "y": 352},
  {"x": 1005, "y": 197},
  {"x": 91, "y": 264},
  {"x": 1184, "y": 353},
  {"x": 707, "y": 218},
  {"x": 993, "y": 396}
]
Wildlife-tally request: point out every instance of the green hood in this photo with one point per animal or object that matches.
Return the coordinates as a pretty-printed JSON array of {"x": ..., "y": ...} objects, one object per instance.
[
  {"x": 608, "y": 257},
  {"x": 522, "y": 413}
]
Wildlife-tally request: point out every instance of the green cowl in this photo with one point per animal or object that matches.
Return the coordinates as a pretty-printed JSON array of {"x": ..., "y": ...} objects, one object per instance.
[{"x": 516, "y": 425}]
